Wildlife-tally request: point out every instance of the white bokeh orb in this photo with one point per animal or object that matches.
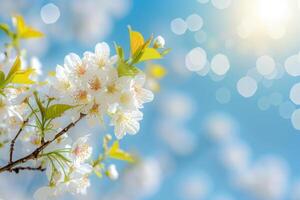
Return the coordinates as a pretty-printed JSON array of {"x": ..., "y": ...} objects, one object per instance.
[
  {"x": 220, "y": 64},
  {"x": 178, "y": 26},
  {"x": 295, "y": 94},
  {"x": 194, "y": 22},
  {"x": 265, "y": 65},
  {"x": 292, "y": 64},
  {"x": 196, "y": 59},
  {"x": 50, "y": 13},
  {"x": 295, "y": 118},
  {"x": 221, "y": 4},
  {"x": 247, "y": 86}
]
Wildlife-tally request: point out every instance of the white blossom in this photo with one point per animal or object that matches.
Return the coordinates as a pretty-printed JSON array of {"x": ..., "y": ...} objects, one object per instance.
[
  {"x": 112, "y": 172},
  {"x": 159, "y": 42},
  {"x": 126, "y": 122}
]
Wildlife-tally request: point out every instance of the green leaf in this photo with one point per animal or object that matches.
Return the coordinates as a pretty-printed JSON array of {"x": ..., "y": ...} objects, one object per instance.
[
  {"x": 57, "y": 110},
  {"x": 140, "y": 51},
  {"x": 23, "y": 77},
  {"x": 150, "y": 54},
  {"x": 39, "y": 103},
  {"x": 13, "y": 70},
  {"x": 5, "y": 28},
  {"x": 120, "y": 51},
  {"x": 125, "y": 69},
  {"x": 2, "y": 78},
  {"x": 24, "y": 31},
  {"x": 136, "y": 40},
  {"x": 31, "y": 33},
  {"x": 98, "y": 173},
  {"x": 165, "y": 52},
  {"x": 116, "y": 153}
]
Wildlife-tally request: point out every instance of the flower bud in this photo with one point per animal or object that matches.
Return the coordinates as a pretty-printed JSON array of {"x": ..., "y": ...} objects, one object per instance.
[
  {"x": 112, "y": 172},
  {"x": 159, "y": 42}
]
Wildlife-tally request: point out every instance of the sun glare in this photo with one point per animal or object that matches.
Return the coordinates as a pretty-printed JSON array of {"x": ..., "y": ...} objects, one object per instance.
[
  {"x": 273, "y": 12},
  {"x": 264, "y": 17}
]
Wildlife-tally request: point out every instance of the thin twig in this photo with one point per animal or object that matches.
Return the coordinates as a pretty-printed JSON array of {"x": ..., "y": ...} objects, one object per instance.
[
  {"x": 36, "y": 152},
  {"x": 12, "y": 144},
  {"x": 18, "y": 169}
]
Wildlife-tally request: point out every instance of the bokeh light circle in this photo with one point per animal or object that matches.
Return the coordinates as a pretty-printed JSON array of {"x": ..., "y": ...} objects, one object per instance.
[
  {"x": 296, "y": 119},
  {"x": 196, "y": 59},
  {"x": 295, "y": 94},
  {"x": 50, "y": 13},
  {"x": 194, "y": 22},
  {"x": 178, "y": 26},
  {"x": 292, "y": 64},
  {"x": 221, "y": 4},
  {"x": 247, "y": 86},
  {"x": 265, "y": 65},
  {"x": 220, "y": 64}
]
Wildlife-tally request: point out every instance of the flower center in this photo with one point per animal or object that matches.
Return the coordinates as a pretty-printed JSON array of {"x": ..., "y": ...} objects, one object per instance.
[
  {"x": 95, "y": 84},
  {"x": 125, "y": 98},
  {"x": 81, "y": 151},
  {"x": 101, "y": 62},
  {"x": 80, "y": 70},
  {"x": 112, "y": 88},
  {"x": 95, "y": 109},
  {"x": 2, "y": 104},
  {"x": 122, "y": 118},
  {"x": 81, "y": 95}
]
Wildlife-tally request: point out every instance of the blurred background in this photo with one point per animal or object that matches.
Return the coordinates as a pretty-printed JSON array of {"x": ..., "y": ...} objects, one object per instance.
[{"x": 224, "y": 124}]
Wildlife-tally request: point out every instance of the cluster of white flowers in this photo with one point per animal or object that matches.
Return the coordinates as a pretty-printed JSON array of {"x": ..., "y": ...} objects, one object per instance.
[
  {"x": 71, "y": 176},
  {"x": 12, "y": 106},
  {"x": 41, "y": 114},
  {"x": 93, "y": 83}
]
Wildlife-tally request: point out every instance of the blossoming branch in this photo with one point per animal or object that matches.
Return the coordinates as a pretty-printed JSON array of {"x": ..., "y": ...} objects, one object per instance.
[{"x": 91, "y": 87}]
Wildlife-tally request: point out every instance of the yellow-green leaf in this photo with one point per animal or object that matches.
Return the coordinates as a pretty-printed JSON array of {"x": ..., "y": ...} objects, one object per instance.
[
  {"x": 136, "y": 40},
  {"x": 150, "y": 54},
  {"x": 25, "y": 31},
  {"x": 116, "y": 153},
  {"x": 57, "y": 110},
  {"x": 125, "y": 70},
  {"x": 13, "y": 70},
  {"x": 2, "y": 81},
  {"x": 2, "y": 77},
  {"x": 120, "y": 51},
  {"x": 5, "y": 28},
  {"x": 98, "y": 173},
  {"x": 19, "y": 23},
  {"x": 23, "y": 77},
  {"x": 166, "y": 51},
  {"x": 31, "y": 33},
  {"x": 39, "y": 103}
]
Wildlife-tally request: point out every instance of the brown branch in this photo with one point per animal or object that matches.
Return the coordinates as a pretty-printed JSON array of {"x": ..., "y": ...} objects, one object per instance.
[
  {"x": 12, "y": 144},
  {"x": 34, "y": 155},
  {"x": 18, "y": 169}
]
